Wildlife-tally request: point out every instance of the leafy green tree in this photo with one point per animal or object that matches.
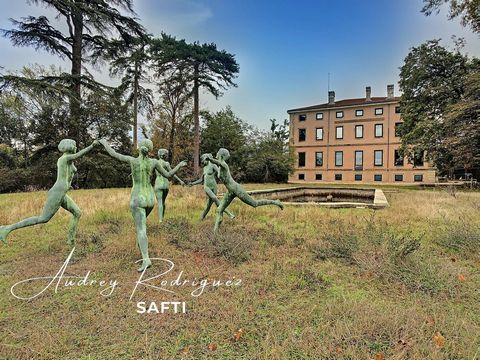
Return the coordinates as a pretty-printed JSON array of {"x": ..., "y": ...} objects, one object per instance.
[
  {"x": 129, "y": 58},
  {"x": 205, "y": 67},
  {"x": 32, "y": 123},
  {"x": 271, "y": 159},
  {"x": 462, "y": 121},
  {"x": 88, "y": 25},
  {"x": 468, "y": 10},
  {"x": 224, "y": 129},
  {"x": 174, "y": 106},
  {"x": 160, "y": 132},
  {"x": 432, "y": 78},
  {"x": 33, "y": 117},
  {"x": 213, "y": 70}
]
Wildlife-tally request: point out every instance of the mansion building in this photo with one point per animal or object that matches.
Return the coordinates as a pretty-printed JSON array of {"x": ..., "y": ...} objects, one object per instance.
[{"x": 351, "y": 141}]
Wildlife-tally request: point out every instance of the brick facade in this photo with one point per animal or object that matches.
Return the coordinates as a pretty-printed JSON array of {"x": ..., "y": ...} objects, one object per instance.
[{"x": 352, "y": 141}]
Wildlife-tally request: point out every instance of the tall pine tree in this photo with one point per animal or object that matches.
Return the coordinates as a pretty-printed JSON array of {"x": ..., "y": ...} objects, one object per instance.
[
  {"x": 206, "y": 67},
  {"x": 89, "y": 24},
  {"x": 129, "y": 57}
]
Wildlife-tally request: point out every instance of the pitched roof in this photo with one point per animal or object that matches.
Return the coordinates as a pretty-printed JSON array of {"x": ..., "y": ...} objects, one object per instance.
[{"x": 346, "y": 102}]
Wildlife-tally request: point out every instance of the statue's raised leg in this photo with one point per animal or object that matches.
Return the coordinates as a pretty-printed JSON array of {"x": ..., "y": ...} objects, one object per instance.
[
  {"x": 247, "y": 199},
  {"x": 50, "y": 208}
]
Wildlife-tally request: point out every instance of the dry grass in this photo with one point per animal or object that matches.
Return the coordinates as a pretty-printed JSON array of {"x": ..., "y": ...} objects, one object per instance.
[{"x": 317, "y": 283}]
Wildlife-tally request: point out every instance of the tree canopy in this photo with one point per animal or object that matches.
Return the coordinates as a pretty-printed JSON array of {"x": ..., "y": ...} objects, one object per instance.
[
  {"x": 467, "y": 10},
  {"x": 89, "y": 25},
  {"x": 202, "y": 65},
  {"x": 434, "y": 81}
]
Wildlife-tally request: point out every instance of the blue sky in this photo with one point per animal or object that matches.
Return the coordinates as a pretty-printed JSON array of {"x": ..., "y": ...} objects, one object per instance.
[{"x": 285, "y": 48}]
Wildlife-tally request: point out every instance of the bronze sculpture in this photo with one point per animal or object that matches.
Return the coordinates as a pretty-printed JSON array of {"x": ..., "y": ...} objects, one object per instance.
[
  {"x": 142, "y": 198},
  {"x": 210, "y": 171},
  {"x": 162, "y": 184},
  {"x": 57, "y": 195},
  {"x": 234, "y": 189}
]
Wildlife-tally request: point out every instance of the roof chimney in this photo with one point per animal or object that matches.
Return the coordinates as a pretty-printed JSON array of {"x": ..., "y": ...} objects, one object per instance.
[
  {"x": 331, "y": 97},
  {"x": 368, "y": 93},
  {"x": 390, "y": 92}
]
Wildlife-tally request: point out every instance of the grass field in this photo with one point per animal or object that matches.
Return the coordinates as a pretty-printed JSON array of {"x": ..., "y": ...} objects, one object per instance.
[{"x": 398, "y": 283}]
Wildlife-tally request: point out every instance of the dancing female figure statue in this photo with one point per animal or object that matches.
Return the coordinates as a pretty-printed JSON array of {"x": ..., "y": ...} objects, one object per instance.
[
  {"x": 142, "y": 198},
  {"x": 57, "y": 196},
  {"x": 162, "y": 184},
  {"x": 234, "y": 189},
  {"x": 210, "y": 170}
]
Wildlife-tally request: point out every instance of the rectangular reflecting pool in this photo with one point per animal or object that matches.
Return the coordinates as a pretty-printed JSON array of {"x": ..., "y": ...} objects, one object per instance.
[{"x": 325, "y": 196}]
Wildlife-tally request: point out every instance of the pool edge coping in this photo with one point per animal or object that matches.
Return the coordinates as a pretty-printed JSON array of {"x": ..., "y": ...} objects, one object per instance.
[{"x": 379, "y": 200}]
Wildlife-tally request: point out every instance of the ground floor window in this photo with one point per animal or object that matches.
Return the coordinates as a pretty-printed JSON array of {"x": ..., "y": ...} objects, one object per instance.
[
  {"x": 418, "y": 178},
  {"x": 338, "y": 177},
  {"x": 398, "y": 177},
  {"x": 377, "y": 177},
  {"x": 318, "y": 176},
  {"x": 358, "y": 177},
  {"x": 301, "y": 176}
]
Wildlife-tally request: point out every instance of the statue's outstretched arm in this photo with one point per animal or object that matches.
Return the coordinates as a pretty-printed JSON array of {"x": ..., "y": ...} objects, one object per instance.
[
  {"x": 169, "y": 168},
  {"x": 169, "y": 174},
  {"x": 196, "y": 182},
  {"x": 217, "y": 162},
  {"x": 114, "y": 154},
  {"x": 82, "y": 152}
]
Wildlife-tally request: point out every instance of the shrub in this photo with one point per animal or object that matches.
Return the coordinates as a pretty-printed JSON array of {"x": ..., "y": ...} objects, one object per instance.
[
  {"x": 234, "y": 245},
  {"x": 461, "y": 236},
  {"x": 342, "y": 244},
  {"x": 388, "y": 255}
]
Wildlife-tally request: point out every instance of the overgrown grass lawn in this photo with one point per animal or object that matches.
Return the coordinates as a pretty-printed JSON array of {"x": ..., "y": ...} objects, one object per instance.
[{"x": 398, "y": 283}]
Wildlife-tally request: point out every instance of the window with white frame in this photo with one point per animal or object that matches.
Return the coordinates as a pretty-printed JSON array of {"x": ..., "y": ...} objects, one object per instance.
[
  {"x": 338, "y": 158},
  {"x": 339, "y": 132},
  {"x": 378, "y": 157},
  {"x": 319, "y": 158},
  {"x": 358, "y": 160},
  {"x": 359, "y": 131}
]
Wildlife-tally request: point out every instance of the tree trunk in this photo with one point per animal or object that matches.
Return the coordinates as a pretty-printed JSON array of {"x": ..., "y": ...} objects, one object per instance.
[
  {"x": 171, "y": 142},
  {"x": 135, "y": 108},
  {"x": 73, "y": 127},
  {"x": 196, "y": 118}
]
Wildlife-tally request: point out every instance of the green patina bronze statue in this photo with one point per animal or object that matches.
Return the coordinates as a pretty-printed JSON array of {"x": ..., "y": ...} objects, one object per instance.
[
  {"x": 233, "y": 188},
  {"x": 142, "y": 198},
  {"x": 162, "y": 184},
  {"x": 57, "y": 195},
  {"x": 210, "y": 170}
]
